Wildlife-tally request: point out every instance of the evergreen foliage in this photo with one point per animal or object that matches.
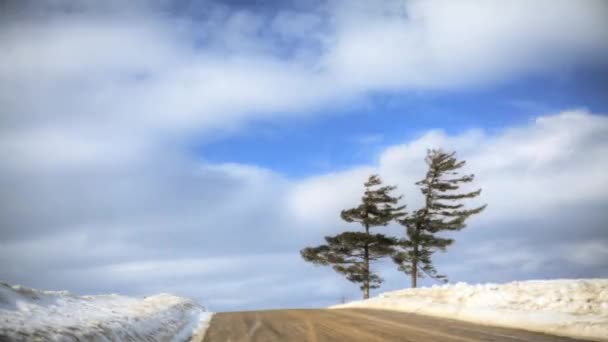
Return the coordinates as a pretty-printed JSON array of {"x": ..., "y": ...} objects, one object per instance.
[
  {"x": 346, "y": 252},
  {"x": 442, "y": 211},
  {"x": 350, "y": 253}
]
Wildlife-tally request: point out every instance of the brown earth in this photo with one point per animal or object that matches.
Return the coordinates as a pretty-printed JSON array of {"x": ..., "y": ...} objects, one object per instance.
[{"x": 354, "y": 325}]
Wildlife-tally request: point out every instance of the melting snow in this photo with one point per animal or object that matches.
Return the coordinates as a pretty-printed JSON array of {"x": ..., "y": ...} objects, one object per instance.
[
  {"x": 27, "y": 314},
  {"x": 576, "y": 307}
]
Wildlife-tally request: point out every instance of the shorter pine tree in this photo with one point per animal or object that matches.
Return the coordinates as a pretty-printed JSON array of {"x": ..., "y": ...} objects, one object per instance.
[
  {"x": 442, "y": 211},
  {"x": 350, "y": 253}
]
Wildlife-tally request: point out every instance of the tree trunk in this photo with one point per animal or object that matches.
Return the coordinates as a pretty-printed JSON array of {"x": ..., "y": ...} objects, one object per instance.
[
  {"x": 415, "y": 259},
  {"x": 366, "y": 267},
  {"x": 425, "y": 215},
  {"x": 366, "y": 274},
  {"x": 414, "y": 273}
]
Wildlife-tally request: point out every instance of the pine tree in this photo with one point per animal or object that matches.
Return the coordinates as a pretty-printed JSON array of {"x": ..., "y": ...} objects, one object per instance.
[
  {"x": 442, "y": 211},
  {"x": 351, "y": 253}
]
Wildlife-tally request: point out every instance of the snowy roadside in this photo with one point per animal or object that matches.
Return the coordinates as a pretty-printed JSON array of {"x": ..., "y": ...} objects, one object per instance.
[
  {"x": 576, "y": 308},
  {"x": 27, "y": 314}
]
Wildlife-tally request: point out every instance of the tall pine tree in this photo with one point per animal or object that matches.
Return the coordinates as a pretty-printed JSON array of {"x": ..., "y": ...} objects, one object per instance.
[
  {"x": 442, "y": 211},
  {"x": 351, "y": 253}
]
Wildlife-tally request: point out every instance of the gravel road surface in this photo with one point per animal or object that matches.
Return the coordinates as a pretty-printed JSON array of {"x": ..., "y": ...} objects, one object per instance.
[{"x": 354, "y": 325}]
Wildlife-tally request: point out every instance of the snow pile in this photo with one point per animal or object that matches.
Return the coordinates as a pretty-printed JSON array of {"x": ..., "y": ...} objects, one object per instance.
[
  {"x": 28, "y": 314},
  {"x": 576, "y": 308}
]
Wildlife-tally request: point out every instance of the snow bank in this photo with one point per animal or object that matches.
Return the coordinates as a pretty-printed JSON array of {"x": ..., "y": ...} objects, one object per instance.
[
  {"x": 28, "y": 314},
  {"x": 576, "y": 308}
]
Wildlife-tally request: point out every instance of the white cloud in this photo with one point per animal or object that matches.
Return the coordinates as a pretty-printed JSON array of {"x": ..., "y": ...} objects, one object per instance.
[
  {"x": 437, "y": 44},
  {"x": 544, "y": 184},
  {"x": 99, "y": 104},
  {"x": 206, "y": 226},
  {"x": 146, "y": 72},
  {"x": 556, "y": 160},
  {"x": 316, "y": 202}
]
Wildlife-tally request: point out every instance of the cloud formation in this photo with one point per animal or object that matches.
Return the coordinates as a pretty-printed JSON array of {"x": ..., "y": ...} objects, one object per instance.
[
  {"x": 213, "y": 67},
  {"x": 100, "y": 103},
  {"x": 212, "y": 231}
]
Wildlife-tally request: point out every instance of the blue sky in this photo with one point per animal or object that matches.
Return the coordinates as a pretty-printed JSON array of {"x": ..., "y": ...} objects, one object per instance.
[
  {"x": 351, "y": 136},
  {"x": 196, "y": 147}
]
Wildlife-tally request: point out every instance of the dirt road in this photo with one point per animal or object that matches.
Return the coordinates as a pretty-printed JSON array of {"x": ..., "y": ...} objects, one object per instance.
[{"x": 354, "y": 325}]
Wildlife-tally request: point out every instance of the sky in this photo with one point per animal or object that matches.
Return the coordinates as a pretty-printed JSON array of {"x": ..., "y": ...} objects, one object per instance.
[{"x": 195, "y": 147}]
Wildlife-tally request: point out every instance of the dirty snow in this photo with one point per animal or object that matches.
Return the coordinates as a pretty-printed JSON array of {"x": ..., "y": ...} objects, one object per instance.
[
  {"x": 574, "y": 307},
  {"x": 27, "y": 314}
]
